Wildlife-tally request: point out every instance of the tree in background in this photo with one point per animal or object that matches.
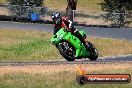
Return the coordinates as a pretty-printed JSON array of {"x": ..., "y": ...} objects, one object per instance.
[
  {"x": 119, "y": 11},
  {"x": 27, "y": 2},
  {"x": 37, "y": 2},
  {"x": 16, "y": 2}
]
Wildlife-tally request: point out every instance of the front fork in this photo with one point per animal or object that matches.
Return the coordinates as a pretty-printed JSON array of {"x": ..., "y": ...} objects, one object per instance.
[{"x": 85, "y": 42}]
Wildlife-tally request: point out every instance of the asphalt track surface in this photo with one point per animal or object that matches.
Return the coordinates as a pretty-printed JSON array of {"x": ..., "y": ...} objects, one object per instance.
[
  {"x": 103, "y": 60},
  {"x": 114, "y": 33}
]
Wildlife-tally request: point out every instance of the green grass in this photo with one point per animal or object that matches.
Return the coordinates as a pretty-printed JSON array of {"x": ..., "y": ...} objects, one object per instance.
[
  {"x": 20, "y": 45},
  {"x": 112, "y": 47},
  {"x": 3, "y": 1},
  {"x": 61, "y": 79},
  {"x": 83, "y": 5},
  {"x": 17, "y": 45}
]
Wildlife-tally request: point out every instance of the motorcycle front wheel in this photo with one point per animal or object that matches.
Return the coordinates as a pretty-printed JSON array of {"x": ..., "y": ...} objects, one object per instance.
[{"x": 67, "y": 51}]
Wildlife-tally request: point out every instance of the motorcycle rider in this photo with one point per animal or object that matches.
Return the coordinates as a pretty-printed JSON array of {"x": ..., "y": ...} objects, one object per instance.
[{"x": 64, "y": 22}]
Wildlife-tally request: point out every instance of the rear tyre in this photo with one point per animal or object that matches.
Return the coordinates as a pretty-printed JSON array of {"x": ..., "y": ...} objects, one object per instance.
[
  {"x": 93, "y": 52},
  {"x": 69, "y": 55}
]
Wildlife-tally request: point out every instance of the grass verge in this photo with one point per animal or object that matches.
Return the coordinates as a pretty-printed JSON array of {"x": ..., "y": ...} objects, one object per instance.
[
  {"x": 3, "y": 1},
  {"x": 82, "y": 5},
  {"x": 21, "y": 45},
  {"x": 54, "y": 76}
]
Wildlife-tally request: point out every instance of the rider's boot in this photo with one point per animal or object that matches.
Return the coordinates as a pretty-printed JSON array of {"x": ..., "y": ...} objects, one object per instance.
[
  {"x": 83, "y": 40},
  {"x": 86, "y": 44}
]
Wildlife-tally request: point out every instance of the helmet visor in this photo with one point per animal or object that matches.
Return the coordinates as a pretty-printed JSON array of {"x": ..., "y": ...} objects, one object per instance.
[{"x": 56, "y": 20}]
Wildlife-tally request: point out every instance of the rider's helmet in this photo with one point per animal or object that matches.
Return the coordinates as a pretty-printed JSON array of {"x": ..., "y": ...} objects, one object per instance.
[{"x": 56, "y": 17}]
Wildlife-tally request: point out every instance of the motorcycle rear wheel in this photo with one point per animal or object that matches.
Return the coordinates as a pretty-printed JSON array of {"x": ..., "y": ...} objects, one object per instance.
[{"x": 93, "y": 52}]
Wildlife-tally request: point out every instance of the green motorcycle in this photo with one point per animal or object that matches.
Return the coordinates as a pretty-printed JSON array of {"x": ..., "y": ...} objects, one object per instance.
[{"x": 71, "y": 48}]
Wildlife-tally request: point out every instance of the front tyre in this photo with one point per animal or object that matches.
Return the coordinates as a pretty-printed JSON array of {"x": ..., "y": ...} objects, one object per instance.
[
  {"x": 66, "y": 51},
  {"x": 93, "y": 52}
]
